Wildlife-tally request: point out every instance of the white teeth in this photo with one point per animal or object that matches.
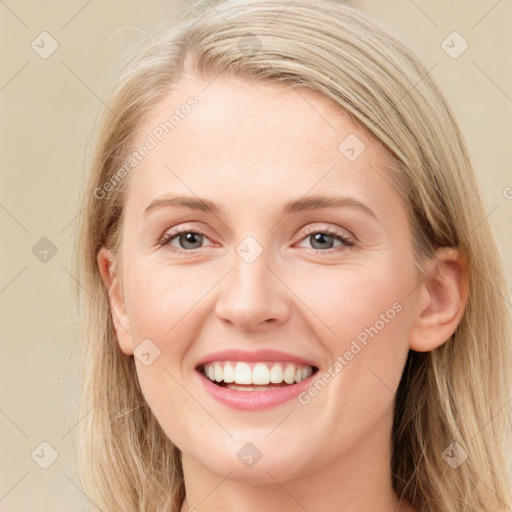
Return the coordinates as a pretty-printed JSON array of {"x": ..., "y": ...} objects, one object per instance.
[
  {"x": 257, "y": 374},
  {"x": 219, "y": 374},
  {"x": 229, "y": 373},
  {"x": 276, "y": 374},
  {"x": 289, "y": 374},
  {"x": 260, "y": 374},
  {"x": 243, "y": 373}
]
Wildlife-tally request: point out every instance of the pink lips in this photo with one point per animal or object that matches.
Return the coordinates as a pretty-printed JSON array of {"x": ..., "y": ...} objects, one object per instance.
[{"x": 253, "y": 400}]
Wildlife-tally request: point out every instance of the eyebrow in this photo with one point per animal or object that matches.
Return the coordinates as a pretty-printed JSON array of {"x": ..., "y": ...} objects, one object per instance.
[{"x": 294, "y": 206}]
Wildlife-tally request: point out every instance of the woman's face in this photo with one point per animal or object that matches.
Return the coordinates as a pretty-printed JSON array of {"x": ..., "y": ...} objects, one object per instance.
[{"x": 269, "y": 276}]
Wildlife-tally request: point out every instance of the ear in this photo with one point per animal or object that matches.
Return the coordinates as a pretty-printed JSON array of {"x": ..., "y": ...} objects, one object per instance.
[
  {"x": 442, "y": 298},
  {"x": 116, "y": 298}
]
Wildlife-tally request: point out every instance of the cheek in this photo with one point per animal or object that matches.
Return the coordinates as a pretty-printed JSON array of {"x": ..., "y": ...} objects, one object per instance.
[
  {"x": 361, "y": 313},
  {"x": 163, "y": 304},
  {"x": 160, "y": 298},
  {"x": 349, "y": 298}
]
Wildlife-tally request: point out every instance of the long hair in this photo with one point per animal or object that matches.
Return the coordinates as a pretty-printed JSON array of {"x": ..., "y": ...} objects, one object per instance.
[{"x": 458, "y": 392}]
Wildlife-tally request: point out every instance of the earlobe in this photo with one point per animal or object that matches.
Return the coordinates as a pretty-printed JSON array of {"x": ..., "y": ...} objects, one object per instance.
[
  {"x": 441, "y": 300},
  {"x": 116, "y": 299}
]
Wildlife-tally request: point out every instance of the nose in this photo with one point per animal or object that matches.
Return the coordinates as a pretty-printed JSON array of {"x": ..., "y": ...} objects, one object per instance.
[{"x": 253, "y": 296}]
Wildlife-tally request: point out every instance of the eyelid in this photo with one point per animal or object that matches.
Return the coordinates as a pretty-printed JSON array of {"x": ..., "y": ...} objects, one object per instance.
[
  {"x": 174, "y": 232},
  {"x": 304, "y": 232},
  {"x": 335, "y": 231},
  {"x": 346, "y": 237}
]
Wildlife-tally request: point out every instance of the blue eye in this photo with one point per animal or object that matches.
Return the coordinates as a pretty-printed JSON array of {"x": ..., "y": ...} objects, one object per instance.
[
  {"x": 190, "y": 240},
  {"x": 185, "y": 237},
  {"x": 319, "y": 240}
]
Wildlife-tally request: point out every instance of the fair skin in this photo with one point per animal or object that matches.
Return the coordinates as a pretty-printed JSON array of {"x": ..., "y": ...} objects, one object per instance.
[{"x": 250, "y": 149}]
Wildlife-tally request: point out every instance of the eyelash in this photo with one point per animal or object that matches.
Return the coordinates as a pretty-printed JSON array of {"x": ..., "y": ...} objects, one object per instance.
[{"x": 167, "y": 237}]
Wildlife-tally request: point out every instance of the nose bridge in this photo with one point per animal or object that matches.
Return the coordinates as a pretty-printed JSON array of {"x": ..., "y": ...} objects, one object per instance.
[{"x": 251, "y": 294}]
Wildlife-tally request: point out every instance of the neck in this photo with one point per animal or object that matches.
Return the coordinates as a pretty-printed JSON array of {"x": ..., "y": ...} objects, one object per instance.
[{"x": 359, "y": 479}]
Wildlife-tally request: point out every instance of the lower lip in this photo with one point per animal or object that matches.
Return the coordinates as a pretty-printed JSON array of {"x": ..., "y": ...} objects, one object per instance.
[{"x": 254, "y": 400}]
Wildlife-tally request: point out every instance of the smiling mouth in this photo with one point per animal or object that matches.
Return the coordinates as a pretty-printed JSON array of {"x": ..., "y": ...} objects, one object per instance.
[{"x": 260, "y": 376}]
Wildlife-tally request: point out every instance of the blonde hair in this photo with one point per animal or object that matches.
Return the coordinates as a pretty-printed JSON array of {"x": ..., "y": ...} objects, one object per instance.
[{"x": 458, "y": 392}]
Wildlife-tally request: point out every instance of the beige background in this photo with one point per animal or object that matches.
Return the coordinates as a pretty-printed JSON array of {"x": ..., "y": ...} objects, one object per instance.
[{"x": 48, "y": 107}]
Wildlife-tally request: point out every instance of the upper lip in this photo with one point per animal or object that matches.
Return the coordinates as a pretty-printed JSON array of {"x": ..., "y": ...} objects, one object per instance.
[{"x": 260, "y": 355}]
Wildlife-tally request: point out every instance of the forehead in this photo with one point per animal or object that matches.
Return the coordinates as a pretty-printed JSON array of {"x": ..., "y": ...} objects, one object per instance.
[{"x": 249, "y": 142}]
